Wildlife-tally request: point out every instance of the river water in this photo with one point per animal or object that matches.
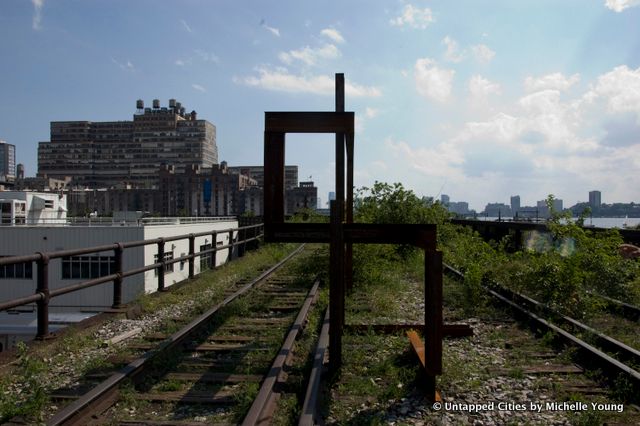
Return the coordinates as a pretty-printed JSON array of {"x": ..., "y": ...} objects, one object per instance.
[{"x": 598, "y": 222}]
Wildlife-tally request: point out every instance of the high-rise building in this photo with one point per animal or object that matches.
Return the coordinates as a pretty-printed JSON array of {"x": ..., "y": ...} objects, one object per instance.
[
  {"x": 444, "y": 199},
  {"x": 595, "y": 199},
  {"x": 7, "y": 161},
  {"x": 113, "y": 153},
  {"x": 497, "y": 210},
  {"x": 515, "y": 204}
]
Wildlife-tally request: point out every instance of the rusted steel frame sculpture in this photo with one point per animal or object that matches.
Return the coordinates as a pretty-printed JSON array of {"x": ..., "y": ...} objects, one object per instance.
[{"x": 341, "y": 230}]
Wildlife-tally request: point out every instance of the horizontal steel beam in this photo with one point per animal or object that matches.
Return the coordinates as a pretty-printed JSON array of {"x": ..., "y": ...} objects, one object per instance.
[
  {"x": 423, "y": 236},
  {"x": 309, "y": 122}
]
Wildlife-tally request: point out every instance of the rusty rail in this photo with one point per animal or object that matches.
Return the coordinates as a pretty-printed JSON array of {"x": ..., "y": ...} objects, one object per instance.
[
  {"x": 309, "y": 415},
  {"x": 44, "y": 293},
  {"x": 103, "y": 395},
  {"x": 263, "y": 406},
  {"x": 524, "y": 305}
]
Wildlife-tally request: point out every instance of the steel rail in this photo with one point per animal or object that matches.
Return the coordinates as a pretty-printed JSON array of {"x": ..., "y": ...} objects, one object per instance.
[
  {"x": 606, "y": 342},
  {"x": 610, "y": 363},
  {"x": 309, "y": 415},
  {"x": 627, "y": 310},
  {"x": 103, "y": 395},
  {"x": 261, "y": 410}
]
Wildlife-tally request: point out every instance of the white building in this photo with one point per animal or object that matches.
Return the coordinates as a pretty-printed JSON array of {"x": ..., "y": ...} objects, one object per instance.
[
  {"x": 20, "y": 207},
  {"x": 20, "y": 238}
]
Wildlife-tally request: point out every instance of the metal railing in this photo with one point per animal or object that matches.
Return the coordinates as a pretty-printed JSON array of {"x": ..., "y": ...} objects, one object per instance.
[
  {"x": 110, "y": 221},
  {"x": 44, "y": 294}
]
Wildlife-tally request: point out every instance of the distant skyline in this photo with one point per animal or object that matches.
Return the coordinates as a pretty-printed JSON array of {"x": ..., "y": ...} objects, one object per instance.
[{"x": 478, "y": 100}]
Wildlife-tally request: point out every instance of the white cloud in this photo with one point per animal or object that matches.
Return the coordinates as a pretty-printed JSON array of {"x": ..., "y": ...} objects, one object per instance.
[
  {"x": 200, "y": 55},
  {"x": 359, "y": 91},
  {"x": 207, "y": 56},
  {"x": 333, "y": 34},
  {"x": 371, "y": 112},
  {"x": 480, "y": 88},
  {"x": 620, "y": 5},
  {"x": 126, "y": 66},
  {"x": 272, "y": 30},
  {"x": 281, "y": 80},
  {"x": 361, "y": 119},
  {"x": 432, "y": 81},
  {"x": 502, "y": 128},
  {"x": 37, "y": 14},
  {"x": 413, "y": 17},
  {"x": 199, "y": 88},
  {"x": 619, "y": 89},
  {"x": 548, "y": 141},
  {"x": 379, "y": 164},
  {"x": 555, "y": 81},
  {"x": 186, "y": 26},
  {"x": 453, "y": 53},
  {"x": 483, "y": 53},
  {"x": 442, "y": 160},
  {"x": 309, "y": 55}
]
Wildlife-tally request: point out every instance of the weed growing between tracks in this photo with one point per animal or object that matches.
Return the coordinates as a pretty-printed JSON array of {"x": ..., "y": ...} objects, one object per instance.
[
  {"x": 34, "y": 398},
  {"x": 24, "y": 389}
]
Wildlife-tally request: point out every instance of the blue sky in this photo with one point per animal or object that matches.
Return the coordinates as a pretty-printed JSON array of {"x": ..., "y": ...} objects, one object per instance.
[{"x": 476, "y": 99}]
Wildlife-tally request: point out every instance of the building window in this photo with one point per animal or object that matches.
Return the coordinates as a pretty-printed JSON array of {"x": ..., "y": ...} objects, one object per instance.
[
  {"x": 87, "y": 267},
  {"x": 206, "y": 260},
  {"x": 19, "y": 271},
  {"x": 167, "y": 267}
]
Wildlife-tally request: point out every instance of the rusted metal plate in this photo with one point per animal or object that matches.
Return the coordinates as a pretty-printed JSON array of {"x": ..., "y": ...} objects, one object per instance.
[{"x": 418, "y": 346}]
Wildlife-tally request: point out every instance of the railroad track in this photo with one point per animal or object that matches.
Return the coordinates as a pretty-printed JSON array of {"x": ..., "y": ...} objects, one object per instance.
[
  {"x": 598, "y": 350},
  {"x": 210, "y": 370},
  {"x": 620, "y": 308}
]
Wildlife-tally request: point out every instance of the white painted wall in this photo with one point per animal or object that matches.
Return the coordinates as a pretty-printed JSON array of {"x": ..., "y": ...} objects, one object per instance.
[
  {"x": 20, "y": 240},
  {"x": 181, "y": 248}
]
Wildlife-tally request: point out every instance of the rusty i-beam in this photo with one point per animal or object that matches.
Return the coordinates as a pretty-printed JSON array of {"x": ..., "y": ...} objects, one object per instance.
[{"x": 341, "y": 232}]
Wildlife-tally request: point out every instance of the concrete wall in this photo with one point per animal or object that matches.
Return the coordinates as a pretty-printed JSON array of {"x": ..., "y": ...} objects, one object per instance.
[{"x": 181, "y": 248}]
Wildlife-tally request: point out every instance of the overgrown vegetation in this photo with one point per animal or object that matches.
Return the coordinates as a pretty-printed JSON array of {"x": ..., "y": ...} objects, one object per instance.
[
  {"x": 31, "y": 399},
  {"x": 565, "y": 268}
]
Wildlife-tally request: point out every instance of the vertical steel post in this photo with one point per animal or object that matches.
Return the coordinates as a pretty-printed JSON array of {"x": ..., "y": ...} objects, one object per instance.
[
  {"x": 161, "y": 267},
  {"x": 340, "y": 196},
  {"x": 192, "y": 250},
  {"x": 230, "y": 258},
  {"x": 433, "y": 324},
  {"x": 242, "y": 236},
  {"x": 273, "y": 211},
  {"x": 348, "y": 261},
  {"x": 340, "y": 149},
  {"x": 336, "y": 288},
  {"x": 117, "y": 282},
  {"x": 214, "y": 246},
  {"x": 43, "y": 304}
]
